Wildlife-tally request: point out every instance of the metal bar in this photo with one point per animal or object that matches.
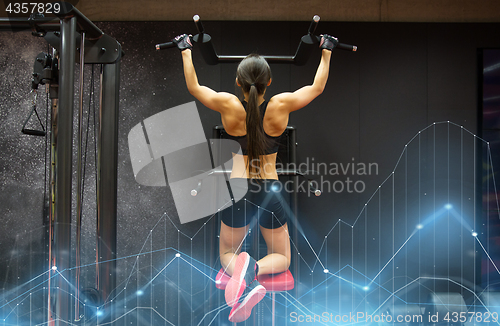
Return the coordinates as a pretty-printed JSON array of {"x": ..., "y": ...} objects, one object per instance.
[
  {"x": 54, "y": 96},
  {"x": 273, "y": 298},
  {"x": 64, "y": 147},
  {"x": 79, "y": 189},
  {"x": 216, "y": 172},
  {"x": 306, "y": 46},
  {"x": 314, "y": 24},
  {"x": 212, "y": 58},
  {"x": 269, "y": 58},
  {"x": 14, "y": 24},
  {"x": 215, "y": 230},
  {"x": 199, "y": 24},
  {"x": 107, "y": 183},
  {"x": 84, "y": 24},
  {"x": 293, "y": 159},
  {"x": 51, "y": 24},
  {"x": 52, "y": 202},
  {"x": 204, "y": 43}
]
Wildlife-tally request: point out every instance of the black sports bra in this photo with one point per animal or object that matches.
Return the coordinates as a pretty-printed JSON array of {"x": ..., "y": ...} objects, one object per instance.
[{"x": 273, "y": 143}]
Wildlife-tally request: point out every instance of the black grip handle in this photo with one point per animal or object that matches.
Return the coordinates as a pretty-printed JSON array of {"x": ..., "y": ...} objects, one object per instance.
[
  {"x": 347, "y": 47},
  {"x": 163, "y": 46},
  {"x": 314, "y": 24},
  {"x": 199, "y": 25},
  {"x": 342, "y": 46},
  {"x": 32, "y": 132},
  {"x": 313, "y": 189}
]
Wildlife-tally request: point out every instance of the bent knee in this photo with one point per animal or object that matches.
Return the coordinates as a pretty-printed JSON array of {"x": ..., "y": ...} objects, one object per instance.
[{"x": 287, "y": 263}]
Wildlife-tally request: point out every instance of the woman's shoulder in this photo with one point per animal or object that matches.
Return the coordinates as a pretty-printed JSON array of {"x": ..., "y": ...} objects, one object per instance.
[
  {"x": 233, "y": 108},
  {"x": 229, "y": 100},
  {"x": 276, "y": 116},
  {"x": 278, "y": 101},
  {"x": 228, "y": 104}
]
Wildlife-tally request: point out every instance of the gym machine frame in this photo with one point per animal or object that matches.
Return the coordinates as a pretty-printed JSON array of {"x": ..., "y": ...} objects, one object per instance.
[{"x": 64, "y": 33}]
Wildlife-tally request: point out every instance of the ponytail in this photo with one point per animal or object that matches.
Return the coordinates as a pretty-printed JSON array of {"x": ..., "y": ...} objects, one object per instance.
[
  {"x": 255, "y": 134},
  {"x": 254, "y": 74}
]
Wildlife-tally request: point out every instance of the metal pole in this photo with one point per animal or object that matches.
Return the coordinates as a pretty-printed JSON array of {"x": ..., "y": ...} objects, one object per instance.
[
  {"x": 54, "y": 96},
  {"x": 293, "y": 158},
  {"x": 52, "y": 202},
  {"x": 64, "y": 147},
  {"x": 269, "y": 58},
  {"x": 23, "y": 24},
  {"x": 79, "y": 193},
  {"x": 107, "y": 183}
]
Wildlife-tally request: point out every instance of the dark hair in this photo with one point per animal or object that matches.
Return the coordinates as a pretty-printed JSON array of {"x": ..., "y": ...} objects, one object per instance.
[{"x": 253, "y": 75}]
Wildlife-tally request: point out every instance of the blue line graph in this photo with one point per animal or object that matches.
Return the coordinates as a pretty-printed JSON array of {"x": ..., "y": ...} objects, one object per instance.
[{"x": 420, "y": 232}]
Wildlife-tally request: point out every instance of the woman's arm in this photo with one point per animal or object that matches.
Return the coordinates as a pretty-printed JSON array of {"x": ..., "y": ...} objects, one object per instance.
[
  {"x": 217, "y": 101},
  {"x": 303, "y": 96}
]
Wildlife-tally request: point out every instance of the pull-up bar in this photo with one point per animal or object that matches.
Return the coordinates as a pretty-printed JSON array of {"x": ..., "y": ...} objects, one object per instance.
[{"x": 306, "y": 45}]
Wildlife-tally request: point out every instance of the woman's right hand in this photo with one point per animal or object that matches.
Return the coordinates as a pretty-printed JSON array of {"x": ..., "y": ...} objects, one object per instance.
[{"x": 328, "y": 42}]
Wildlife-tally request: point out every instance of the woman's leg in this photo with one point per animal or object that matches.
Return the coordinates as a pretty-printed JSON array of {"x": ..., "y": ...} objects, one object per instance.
[
  {"x": 278, "y": 250},
  {"x": 230, "y": 241}
]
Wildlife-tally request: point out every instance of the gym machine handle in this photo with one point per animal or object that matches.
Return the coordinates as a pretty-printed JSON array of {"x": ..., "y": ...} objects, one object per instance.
[
  {"x": 342, "y": 46},
  {"x": 32, "y": 132},
  {"x": 199, "y": 25},
  {"x": 310, "y": 182},
  {"x": 163, "y": 46},
  {"x": 168, "y": 45}
]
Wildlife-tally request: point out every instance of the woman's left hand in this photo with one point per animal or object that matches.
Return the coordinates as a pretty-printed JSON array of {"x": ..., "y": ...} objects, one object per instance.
[{"x": 183, "y": 42}]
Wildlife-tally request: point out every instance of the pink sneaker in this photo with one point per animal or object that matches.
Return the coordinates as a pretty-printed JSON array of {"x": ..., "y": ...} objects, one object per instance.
[
  {"x": 243, "y": 275},
  {"x": 241, "y": 311}
]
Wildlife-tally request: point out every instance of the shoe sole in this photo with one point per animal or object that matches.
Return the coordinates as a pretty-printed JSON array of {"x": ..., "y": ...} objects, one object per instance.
[
  {"x": 243, "y": 310},
  {"x": 237, "y": 284}
]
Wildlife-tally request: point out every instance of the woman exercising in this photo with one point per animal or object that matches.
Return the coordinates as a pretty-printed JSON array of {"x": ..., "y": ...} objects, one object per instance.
[{"x": 256, "y": 124}]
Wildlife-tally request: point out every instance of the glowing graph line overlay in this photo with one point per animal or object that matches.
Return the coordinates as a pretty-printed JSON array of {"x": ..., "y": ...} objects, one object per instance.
[{"x": 433, "y": 207}]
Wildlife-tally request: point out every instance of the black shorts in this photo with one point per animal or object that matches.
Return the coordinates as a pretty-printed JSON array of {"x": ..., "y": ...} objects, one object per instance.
[{"x": 263, "y": 200}]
